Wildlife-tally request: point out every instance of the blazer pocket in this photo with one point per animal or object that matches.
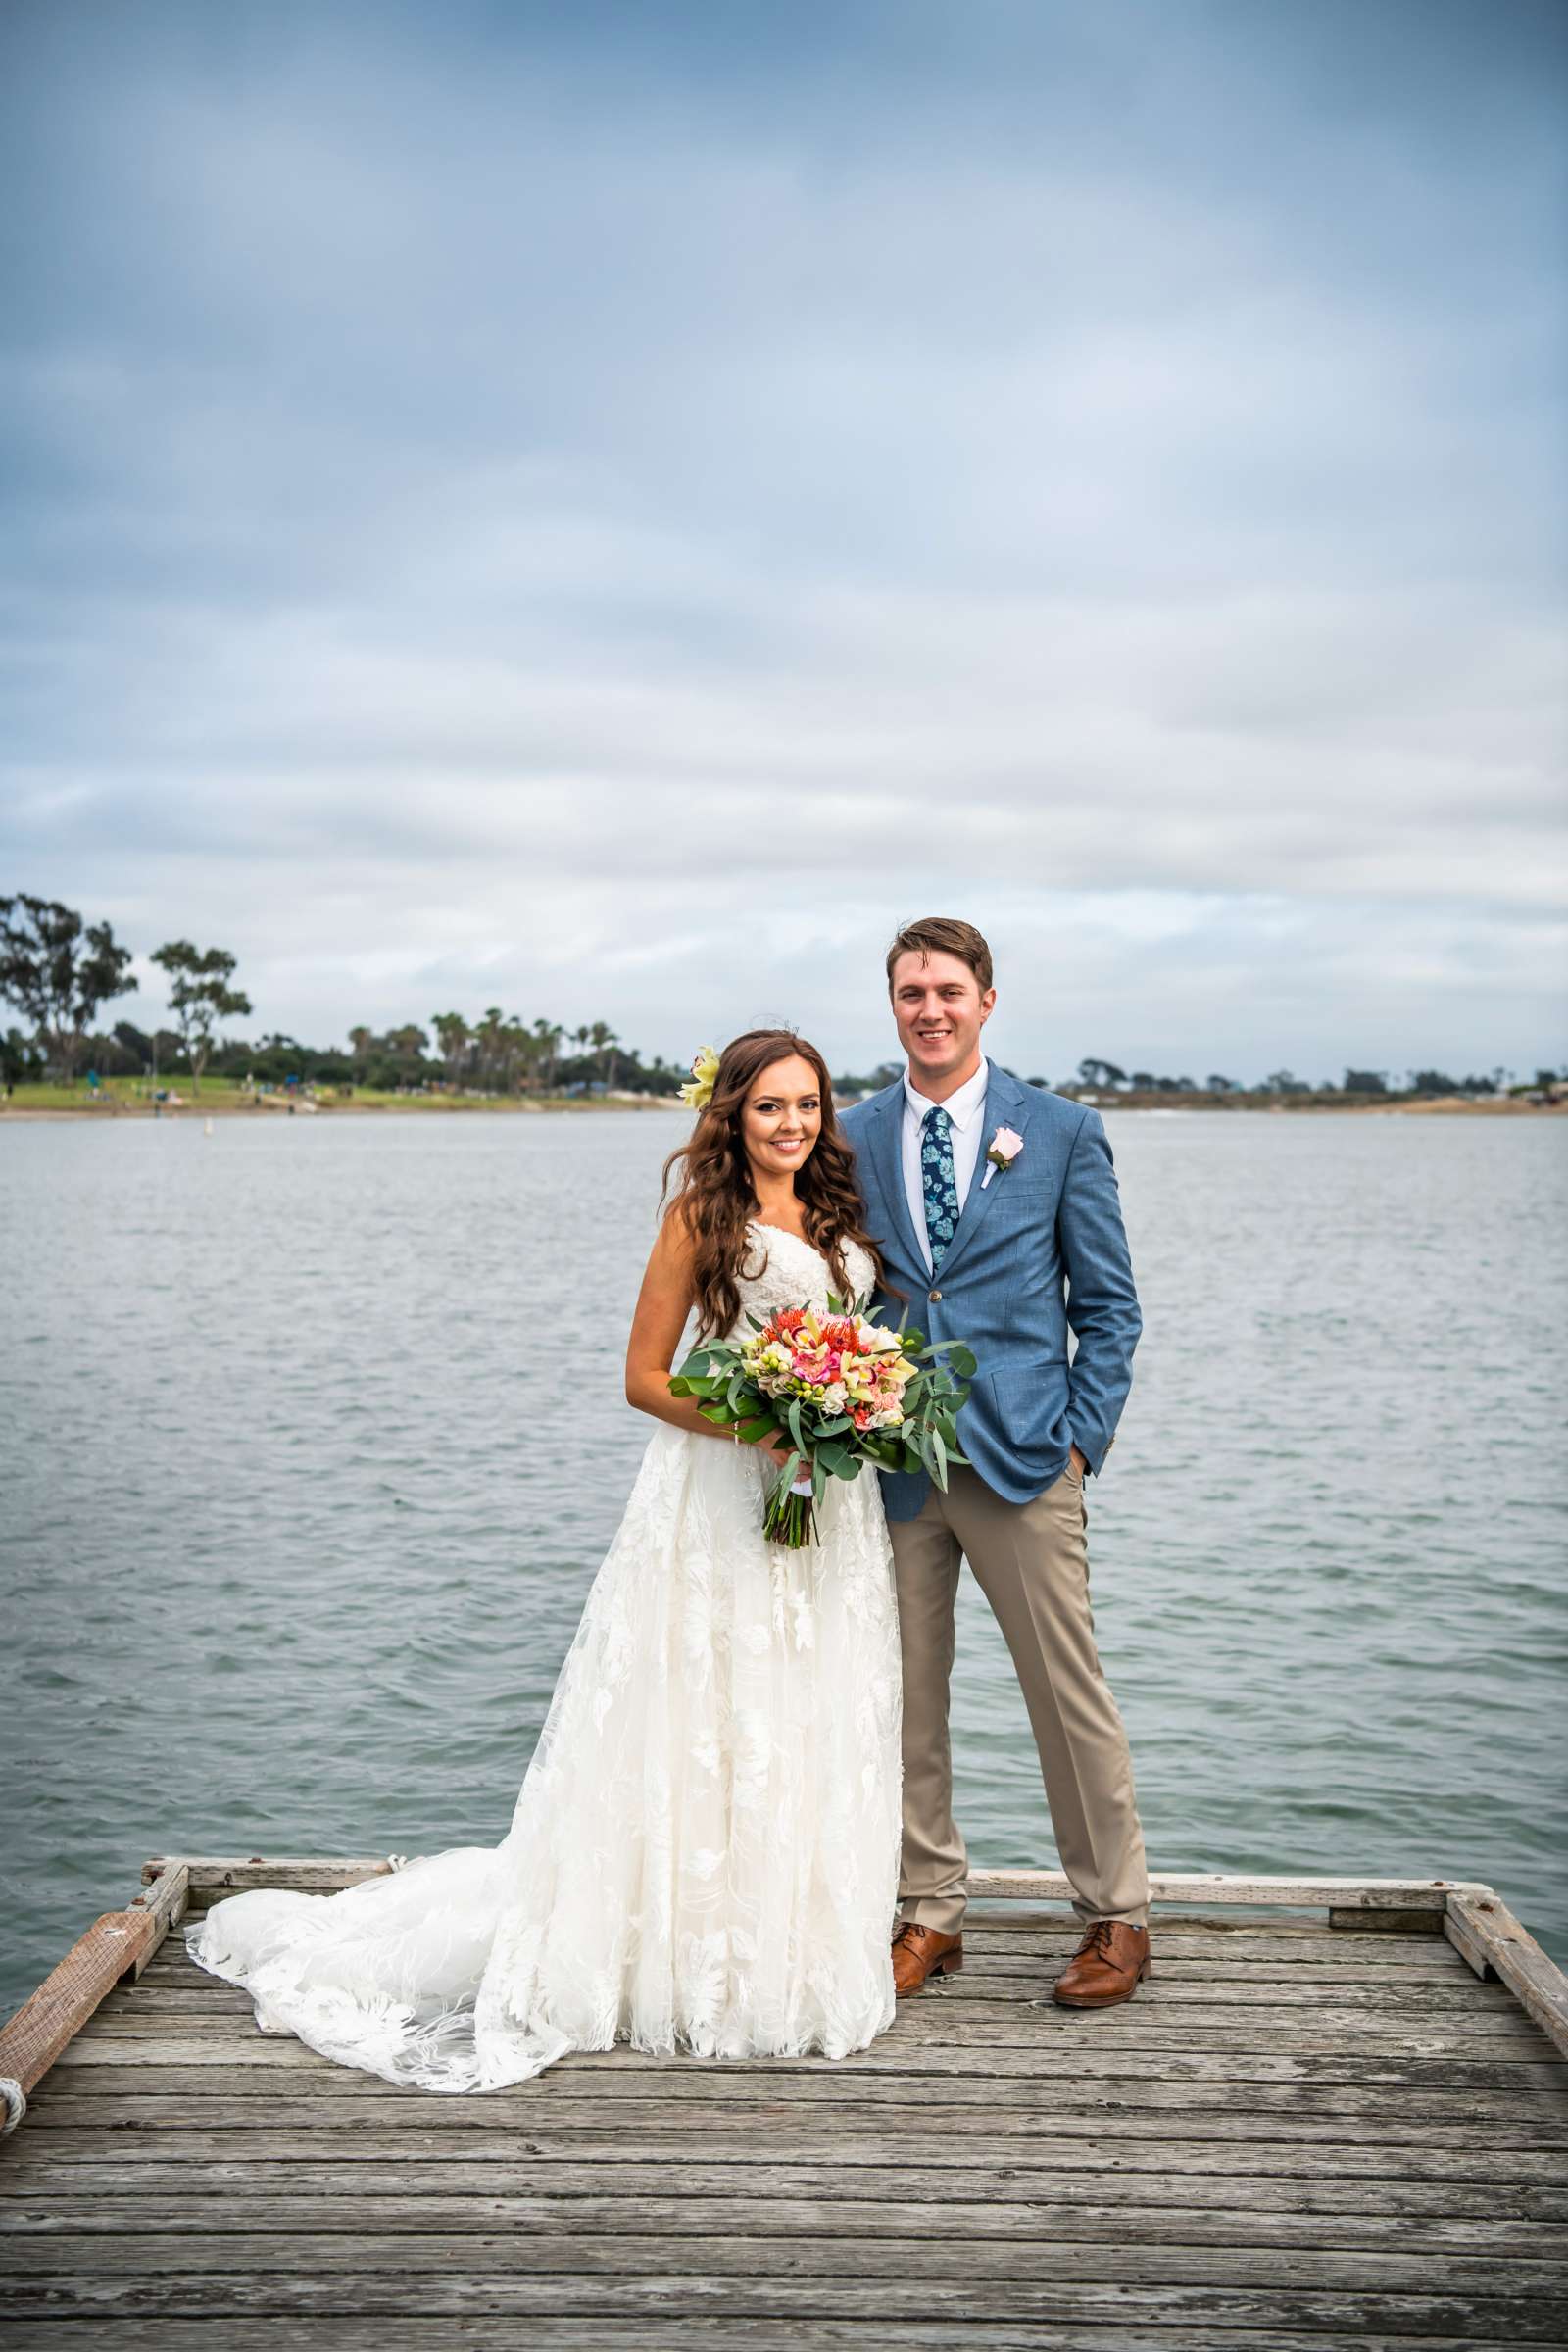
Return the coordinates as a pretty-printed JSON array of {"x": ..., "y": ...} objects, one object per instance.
[{"x": 1031, "y": 1402}]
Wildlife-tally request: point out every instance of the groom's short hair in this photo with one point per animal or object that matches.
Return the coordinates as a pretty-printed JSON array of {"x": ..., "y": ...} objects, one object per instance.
[{"x": 943, "y": 935}]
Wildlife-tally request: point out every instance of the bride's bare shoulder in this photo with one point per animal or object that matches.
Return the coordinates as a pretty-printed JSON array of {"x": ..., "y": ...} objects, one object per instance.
[{"x": 674, "y": 1241}]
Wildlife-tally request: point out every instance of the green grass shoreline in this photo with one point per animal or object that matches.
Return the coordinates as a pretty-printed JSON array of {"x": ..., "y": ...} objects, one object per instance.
[
  {"x": 228, "y": 1098},
  {"x": 224, "y": 1098}
]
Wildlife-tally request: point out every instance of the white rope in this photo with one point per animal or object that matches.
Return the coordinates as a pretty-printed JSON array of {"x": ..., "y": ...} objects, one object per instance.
[{"x": 15, "y": 2100}]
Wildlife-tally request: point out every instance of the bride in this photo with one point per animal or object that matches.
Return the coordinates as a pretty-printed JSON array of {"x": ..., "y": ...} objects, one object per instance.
[{"x": 705, "y": 1851}]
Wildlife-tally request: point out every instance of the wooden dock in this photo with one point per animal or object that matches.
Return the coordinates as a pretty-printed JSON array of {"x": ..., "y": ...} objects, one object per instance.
[{"x": 1336, "y": 2112}]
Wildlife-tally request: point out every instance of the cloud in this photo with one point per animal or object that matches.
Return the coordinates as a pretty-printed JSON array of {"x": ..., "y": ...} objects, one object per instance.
[{"x": 613, "y": 517}]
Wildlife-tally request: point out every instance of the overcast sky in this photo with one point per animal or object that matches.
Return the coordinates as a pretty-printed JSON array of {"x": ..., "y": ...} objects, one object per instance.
[{"x": 605, "y": 509}]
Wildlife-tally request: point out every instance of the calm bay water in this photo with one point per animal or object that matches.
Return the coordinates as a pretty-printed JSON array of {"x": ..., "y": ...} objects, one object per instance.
[{"x": 297, "y": 1517}]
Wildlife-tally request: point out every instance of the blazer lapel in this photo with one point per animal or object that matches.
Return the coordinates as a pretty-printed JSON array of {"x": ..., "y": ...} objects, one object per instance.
[
  {"x": 885, "y": 1140},
  {"x": 1006, "y": 1100}
]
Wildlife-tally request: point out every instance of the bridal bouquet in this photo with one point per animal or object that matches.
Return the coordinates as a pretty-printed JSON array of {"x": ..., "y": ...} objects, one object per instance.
[{"x": 839, "y": 1390}]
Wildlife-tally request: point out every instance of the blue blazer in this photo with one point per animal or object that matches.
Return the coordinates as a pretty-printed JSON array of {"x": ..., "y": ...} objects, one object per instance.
[{"x": 1038, "y": 1253}]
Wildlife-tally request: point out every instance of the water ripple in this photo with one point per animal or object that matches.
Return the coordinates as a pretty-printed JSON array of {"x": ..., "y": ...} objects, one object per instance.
[{"x": 298, "y": 1518}]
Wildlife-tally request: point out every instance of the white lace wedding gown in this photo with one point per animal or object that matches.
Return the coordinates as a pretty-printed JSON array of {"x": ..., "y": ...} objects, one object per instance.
[{"x": 705, "y": 1852}]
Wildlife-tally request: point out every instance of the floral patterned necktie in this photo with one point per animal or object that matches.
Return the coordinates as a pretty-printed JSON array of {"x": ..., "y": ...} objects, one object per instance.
[{"x": 938, "y": 1183}]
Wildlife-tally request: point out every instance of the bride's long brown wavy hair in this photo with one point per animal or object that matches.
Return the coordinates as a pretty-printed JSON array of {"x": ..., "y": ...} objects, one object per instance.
[{"x": 714, "y": 1195}]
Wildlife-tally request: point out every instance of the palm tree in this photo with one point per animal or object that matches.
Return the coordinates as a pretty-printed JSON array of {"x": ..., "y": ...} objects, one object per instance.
[
  {"x": 488, "y": 1045},
  {"x": 525, "y": 1055},
  {"x": 456, "y": 1038},
  {"x": 604, "y": 1042},
  {"x": 549, "y": 1034}
]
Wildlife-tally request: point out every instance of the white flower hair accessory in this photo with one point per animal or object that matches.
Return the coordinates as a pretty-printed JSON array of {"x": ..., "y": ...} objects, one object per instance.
[
  {"x": 1000, "y": 1153},
  {"x": 698, "y": 1093}
]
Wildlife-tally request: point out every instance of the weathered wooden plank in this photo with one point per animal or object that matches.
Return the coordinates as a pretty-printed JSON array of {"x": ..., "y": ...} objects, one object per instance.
[
  {"x": 203, "y": 2187},
  {"x": 211, "y": 1874},
  {"x": 1297, "y": 1927},
  {"x": 1365, "y": 2128},
  {"x": 1420, "y": 2098},
  {"x": 166, "y": 1903},
  {"x": 596, "y": 2138},
  {"x": 1208, "y": 1886},
  {"x": 118, "y": 1941},
  {"x": 803, "y": 2333},
  {"x": 1030, "y": 1973},
  {"x": 1173, "y": 1976},
  {"x": 1006, "y": 1924},
  {"x": 961, "y": 2227},
  {"x": 978, "y": 2042},
  {"x": 1288, "y": 1934},
  {"x": 1482, "y": 1926},
  {"x": 1040, "y": 2026},
  {"x": 1040, "y": 1950},
  {"x": 254, "y": 2062},
  {"x": 317, "y": 2255},
  {"x": 1275, "y": 2002},
  {"x": 230, "y": 1872},
  {"x": 1449, "y": 2318}
]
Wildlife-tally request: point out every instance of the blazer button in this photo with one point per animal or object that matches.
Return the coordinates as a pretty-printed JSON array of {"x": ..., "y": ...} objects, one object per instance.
[{"x": 933, "y": 1296}]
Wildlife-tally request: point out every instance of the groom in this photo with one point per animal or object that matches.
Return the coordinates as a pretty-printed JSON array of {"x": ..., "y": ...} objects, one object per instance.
[{"x": 1007, "y": 1257}]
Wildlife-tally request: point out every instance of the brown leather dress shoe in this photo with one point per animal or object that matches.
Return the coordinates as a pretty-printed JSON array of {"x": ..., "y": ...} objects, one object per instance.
[
  {"x": 1106, "y": 1967},
  {"x": 920, "y": 1952}
]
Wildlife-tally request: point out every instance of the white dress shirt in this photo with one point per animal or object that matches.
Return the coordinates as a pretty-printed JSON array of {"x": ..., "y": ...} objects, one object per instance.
[{"x": 966, "y": 1110}]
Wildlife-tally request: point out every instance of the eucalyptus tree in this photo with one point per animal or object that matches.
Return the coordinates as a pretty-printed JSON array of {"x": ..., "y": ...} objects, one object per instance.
[
  {"x": 199, "y": 997},
  {"x": 58, "y": 972}
]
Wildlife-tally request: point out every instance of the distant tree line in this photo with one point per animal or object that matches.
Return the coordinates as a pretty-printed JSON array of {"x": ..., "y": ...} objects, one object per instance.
[
  {"x": 1095, "y": 1075},
  {"x": 60, "y": 973}
]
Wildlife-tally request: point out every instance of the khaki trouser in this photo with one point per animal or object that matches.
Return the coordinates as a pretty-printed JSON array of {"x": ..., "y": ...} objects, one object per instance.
[{"x": 1031, "y": 1561}]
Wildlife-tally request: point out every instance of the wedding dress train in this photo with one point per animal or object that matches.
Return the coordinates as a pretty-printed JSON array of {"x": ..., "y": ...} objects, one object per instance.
[{"x": 705, "y": 1851}]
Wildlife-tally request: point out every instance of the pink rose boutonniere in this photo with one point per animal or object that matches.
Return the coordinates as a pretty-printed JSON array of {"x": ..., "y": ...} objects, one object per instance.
[{"x": 1000, "y": 1153}]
